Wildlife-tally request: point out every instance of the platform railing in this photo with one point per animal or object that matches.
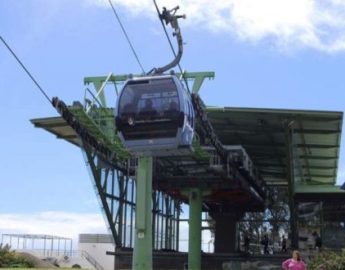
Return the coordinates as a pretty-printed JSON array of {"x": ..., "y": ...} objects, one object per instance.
[{"x": 91, "y": 260}]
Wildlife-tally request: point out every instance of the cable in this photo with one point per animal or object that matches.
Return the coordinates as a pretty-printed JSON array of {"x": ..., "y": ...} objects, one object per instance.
[
  {"x": 25, "y": 69},
  {"x": 171, "y": 46},
  {"x": 125, "y": 33}
]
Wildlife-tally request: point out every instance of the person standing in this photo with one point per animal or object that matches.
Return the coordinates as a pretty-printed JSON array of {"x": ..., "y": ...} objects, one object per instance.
[
  {"x": 318, "y": 241},
  {"x": 295, "y": 263},
  {"x": 265, "y": 243},
  {"x": 284, "y": 244},
  {"x": 246, "y": 243}
]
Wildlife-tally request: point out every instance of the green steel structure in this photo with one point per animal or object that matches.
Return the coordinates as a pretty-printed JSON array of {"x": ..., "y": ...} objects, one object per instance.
[
  {"x": 242, "y": 157},
  {"x": 142, "y": 255},
  {"x": 113, "y": 170},
  {"x": 194, "y": 244}
]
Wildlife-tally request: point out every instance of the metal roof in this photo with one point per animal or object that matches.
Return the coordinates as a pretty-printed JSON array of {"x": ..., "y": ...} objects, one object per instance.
[
  {"x": 262, "y": 132},
  {"x": 59, "y": 127}
]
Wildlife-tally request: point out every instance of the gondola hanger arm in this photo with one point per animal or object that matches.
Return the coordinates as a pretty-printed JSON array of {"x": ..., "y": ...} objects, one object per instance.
[{"x": 170, "y": 17}]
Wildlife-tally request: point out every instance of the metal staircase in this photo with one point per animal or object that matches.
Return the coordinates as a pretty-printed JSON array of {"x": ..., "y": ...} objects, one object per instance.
[{"x": 91, "y": 260}]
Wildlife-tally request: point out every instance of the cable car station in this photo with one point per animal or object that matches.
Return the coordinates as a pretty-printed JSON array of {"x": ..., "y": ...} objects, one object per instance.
[
  {"x": 241, "y": 158},
  {"x": 163, "y": 162}
]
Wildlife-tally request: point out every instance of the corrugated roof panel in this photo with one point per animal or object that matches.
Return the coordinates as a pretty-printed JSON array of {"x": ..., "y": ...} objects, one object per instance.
[{"x": 262, "y": 133}]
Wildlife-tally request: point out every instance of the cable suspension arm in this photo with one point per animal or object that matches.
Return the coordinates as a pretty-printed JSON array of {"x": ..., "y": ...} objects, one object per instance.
[{"x": 168, "y": 16}]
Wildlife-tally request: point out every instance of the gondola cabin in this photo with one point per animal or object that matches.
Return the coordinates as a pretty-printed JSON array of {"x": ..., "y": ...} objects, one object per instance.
[{"x": 155, "y": 116}]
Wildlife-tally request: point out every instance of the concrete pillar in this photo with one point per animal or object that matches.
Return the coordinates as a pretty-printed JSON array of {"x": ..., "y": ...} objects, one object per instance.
[{"x": 225, "y": 233}]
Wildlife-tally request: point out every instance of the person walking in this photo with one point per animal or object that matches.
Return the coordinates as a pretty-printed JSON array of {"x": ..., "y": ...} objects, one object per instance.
[{"x": 295, "y": 263}]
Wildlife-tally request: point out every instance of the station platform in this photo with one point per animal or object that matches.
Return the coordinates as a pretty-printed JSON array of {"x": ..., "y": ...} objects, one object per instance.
[{"x": 210, "y": 261}]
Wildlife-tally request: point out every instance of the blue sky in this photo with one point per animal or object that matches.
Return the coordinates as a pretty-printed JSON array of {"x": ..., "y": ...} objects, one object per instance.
[{"x": 265, "y": 53}]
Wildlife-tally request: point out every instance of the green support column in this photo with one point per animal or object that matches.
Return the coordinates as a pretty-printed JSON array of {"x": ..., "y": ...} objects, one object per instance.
[
  {"x": 194, "y": 243},
  {"x": 142, "y": 254}
]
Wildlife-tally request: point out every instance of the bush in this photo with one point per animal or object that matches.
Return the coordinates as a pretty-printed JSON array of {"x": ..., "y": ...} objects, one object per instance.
[
  {"x": 10, "y": 259},
  {"x": 328, "y": 261}
]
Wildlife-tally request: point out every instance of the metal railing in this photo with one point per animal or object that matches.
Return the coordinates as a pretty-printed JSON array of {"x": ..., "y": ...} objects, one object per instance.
[
  {"x": 91, "y": 260},
  {"x": 43, "y": 253},
  {"x": 60, "y": 255}
]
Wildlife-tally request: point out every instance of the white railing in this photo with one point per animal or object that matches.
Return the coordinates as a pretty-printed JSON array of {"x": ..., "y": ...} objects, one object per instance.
[
  {"x": 91, "y": 260},
  {"x": 43, "y": 253}
]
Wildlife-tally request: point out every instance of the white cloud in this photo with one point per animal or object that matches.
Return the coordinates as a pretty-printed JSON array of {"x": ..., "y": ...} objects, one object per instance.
[
  {"x": 289, "y": 24},
  {"x": 63, "y": 224}
]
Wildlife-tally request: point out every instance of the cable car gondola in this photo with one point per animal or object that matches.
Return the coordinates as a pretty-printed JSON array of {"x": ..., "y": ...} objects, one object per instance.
[{"x": 155, "y": 116}]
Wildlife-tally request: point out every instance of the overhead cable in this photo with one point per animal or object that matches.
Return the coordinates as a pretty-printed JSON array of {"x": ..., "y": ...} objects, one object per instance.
[
  {"x": 25, "y": 69},
  {"x": 126, "y": 35}
]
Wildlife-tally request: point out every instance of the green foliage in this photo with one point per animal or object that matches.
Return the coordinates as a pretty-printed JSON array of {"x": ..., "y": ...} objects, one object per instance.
[
  {"x": 328, "y": 261},
  {"x": 273, "y": 220},
  {"x": 10, "y": 259}
]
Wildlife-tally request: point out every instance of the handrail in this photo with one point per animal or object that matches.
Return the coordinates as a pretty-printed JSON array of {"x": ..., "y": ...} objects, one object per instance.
[{"x": 91, "y": 260}]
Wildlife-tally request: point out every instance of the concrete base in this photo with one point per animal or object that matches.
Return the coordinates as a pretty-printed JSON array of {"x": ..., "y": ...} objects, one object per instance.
[{"x": 177, "y": 260}]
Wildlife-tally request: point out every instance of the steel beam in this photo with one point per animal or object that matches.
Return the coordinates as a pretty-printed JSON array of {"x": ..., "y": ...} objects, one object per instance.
[
  {"x": 142, "y": 254},
  {"x": 198, "y": 78},
  {"x": 228, "y": 128},
  {"x": 194, "y": 243},
  {"x": 98, "y": 179}
]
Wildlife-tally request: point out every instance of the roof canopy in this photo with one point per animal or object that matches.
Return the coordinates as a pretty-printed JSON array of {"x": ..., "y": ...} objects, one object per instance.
[
  {"x": 263, "y": 133},
  {"x": 315, "y": 141}
]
